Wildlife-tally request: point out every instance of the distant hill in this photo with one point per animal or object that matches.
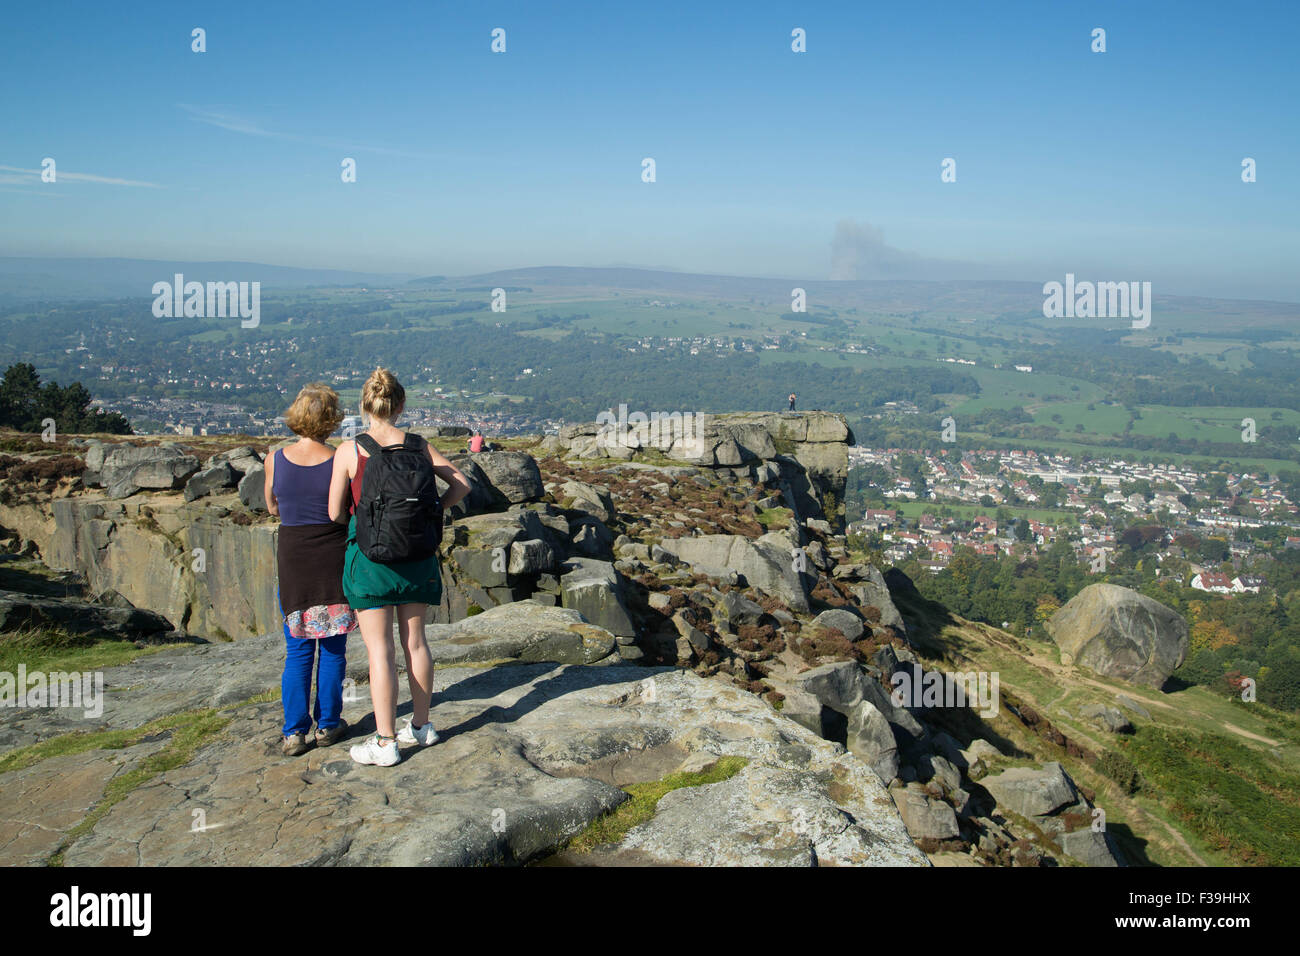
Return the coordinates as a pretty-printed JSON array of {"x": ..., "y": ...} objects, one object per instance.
[
  {"x": 965, "y": 296},
  {"x": 26, "y": 279}
]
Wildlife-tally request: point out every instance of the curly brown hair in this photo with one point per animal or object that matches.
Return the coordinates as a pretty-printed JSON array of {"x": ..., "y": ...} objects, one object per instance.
[{"x": 315, "y": 413}]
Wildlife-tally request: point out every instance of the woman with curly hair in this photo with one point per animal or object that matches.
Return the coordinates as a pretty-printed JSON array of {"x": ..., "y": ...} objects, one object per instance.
[{"x": 309, "y": 558}]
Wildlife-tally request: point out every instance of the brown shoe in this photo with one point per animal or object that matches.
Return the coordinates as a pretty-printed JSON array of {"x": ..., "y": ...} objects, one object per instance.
[
  {"x": 296, "y": 746},
  {"x": 331, "y": 736}
]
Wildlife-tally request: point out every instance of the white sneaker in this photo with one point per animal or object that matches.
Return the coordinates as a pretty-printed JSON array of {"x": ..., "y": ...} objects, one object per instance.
[
  {"x": 424, "y": 736},
  {"x": 373, "y": 752}
]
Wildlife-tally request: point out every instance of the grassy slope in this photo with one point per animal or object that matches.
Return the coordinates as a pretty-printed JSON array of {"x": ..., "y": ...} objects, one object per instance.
[{"x": 1220, "y": 778}]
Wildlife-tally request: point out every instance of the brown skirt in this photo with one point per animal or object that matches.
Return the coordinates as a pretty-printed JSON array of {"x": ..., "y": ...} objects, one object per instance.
[{"x": 309, "y": 559}]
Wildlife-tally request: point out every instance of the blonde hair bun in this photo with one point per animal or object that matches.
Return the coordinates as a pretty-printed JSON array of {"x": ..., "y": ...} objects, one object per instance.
[{"x": 383, "y": 396}]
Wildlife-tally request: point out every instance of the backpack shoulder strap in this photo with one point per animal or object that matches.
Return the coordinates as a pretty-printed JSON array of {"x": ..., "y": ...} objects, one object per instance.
[
  {"x": 413, "y": 441},
  {"x": 369, "y": 444}
]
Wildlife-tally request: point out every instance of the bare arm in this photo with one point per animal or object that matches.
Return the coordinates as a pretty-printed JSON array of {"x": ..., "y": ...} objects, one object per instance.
[
  {"x": 340, "y": 481},
  {"x": 272, "y": 504},
  {"x": 458, "y": 484}
]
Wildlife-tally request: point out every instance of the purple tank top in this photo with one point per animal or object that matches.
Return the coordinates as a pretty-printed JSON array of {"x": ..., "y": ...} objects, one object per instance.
[{"x": 303, "y": 491}]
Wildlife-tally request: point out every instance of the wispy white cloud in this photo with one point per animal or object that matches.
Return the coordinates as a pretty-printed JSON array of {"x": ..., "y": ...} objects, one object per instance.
[
  {"x": 236, "y": 124},
  {"x": 42, "y": 193},
  {"x": 240, "y": 124},
  {"x": 28, "y": 176}
]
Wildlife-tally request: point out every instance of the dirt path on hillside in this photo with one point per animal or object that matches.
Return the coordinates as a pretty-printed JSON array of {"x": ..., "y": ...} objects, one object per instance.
[
  {"x": 1057, "y": 669},
  {"x": 1247, "y": 733},
  {"x": 1069, "y": 674}
]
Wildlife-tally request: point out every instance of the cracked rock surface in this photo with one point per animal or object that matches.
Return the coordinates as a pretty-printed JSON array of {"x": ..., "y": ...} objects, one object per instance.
[{"x": 531, "y": 753}]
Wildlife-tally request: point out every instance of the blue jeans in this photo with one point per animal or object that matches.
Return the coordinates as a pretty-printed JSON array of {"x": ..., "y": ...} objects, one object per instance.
[{"x": 295, "y": 685}]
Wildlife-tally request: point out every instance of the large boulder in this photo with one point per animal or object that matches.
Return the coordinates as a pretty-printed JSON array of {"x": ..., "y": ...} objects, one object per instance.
[
  {"x": 530, "y": 556},
  {"x": 482, "y": 496},
  {"x": 512, "y": 476},
  {"x": 926, "y": 817},
  {"x": 869, "y": 721},
  {"x": 1107, "y": 717},
  {"x": 592, "y": 588},
  {"x": 767, "y": 563},
  {"x": 521, "y": 630},
  {"x": 498, "y": 557},
  {"x": 211, "y": 479},
  {"x": 1049, "y": 799},
  {"x": 252, "y": 489},
  {"x": 590, "y": 538},
  {"x": 31, "y": 612},
  {"x": 842, "y": 685},
  {"x": 873, "y": 592},
  {"x": 125, "y": 469},
  {"x": 595, "y": 500},
  {"x": 1120, "y": 633},
  {"x": 846, "y": 622},
  {"x": 1033, "y": 793},
  {"x": 243, "y": 459},
  {"x": 869, "y": 736}
]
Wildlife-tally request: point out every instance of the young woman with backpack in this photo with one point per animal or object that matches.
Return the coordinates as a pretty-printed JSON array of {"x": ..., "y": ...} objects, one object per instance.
[{"x": 386, "y": 477}]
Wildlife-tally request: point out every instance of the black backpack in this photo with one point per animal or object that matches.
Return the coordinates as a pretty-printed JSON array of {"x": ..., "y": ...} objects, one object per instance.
[{"x": 399, "y": 517}]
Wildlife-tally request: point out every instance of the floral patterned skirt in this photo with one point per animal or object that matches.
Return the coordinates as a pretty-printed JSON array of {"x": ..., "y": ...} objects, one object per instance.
[{"x": 321, "y": 620}]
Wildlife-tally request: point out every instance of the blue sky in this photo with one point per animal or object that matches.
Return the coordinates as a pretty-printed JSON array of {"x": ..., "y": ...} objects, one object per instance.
[{"x": 1115, "y": 165}]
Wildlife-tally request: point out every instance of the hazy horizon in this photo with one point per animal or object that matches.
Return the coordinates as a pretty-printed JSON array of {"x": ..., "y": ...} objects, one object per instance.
[{"x": 1122, "y": 165}]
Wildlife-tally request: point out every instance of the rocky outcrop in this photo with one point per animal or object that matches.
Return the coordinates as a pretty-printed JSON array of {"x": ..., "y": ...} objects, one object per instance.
[
  {"x": 531, "y": 754},
  {"x": 228, "y": 470},
  {"x": 124, "y": 469},
  {"x": 926, "y": 817},
  {"x": 802, "y": 455},
  {"x": 1108, "y": 718},
  {"x": 211, "y": 479},
  {"x": 868, "y": 586},
  {"x": 26, "y": 611},
  {"x": 766, "y": 562},
  {"x": 509, "y": 477},
  {"x": 1049, "y": 799},
  {"x": 1033, "y": 793},
  {"x": 1120, "y": 633},
  {"x": 846, "y": 622},
  {"x": 524, "y": 631},
  {"x": 205, "y": 573},
  {"x": 594, "y": 589},
  {"x": 869, "y": 716},
  {"x": 252, "y": 489}
]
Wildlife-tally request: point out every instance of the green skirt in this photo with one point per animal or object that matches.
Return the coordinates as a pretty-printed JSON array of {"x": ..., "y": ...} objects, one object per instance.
[{"x": 368, "y": 584}]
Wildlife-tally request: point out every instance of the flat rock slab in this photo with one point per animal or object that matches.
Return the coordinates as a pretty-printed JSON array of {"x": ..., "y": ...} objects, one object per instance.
[
  {"x": 521, "y": 630},
  {"x": 157, "y": 685},
  {"x": 43, "y": 803},
  {"x": 530, "y": 754}
]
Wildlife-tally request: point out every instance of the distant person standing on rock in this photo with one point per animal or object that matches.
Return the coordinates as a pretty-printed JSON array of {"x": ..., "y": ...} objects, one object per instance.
[
  {"x": 309, "y": 562},
  {"x": 792, "y": 401},
  {"x": 408, "y": 585}
]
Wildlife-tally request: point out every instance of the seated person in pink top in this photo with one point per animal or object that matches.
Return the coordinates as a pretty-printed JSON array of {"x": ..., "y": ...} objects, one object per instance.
[{"x": 476, "y": 443}]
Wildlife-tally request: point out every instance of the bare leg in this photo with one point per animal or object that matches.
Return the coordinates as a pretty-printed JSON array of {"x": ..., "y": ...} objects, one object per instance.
[
  {"x": 419, "y": 662},
  {"x": 377, "y": 632}
]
